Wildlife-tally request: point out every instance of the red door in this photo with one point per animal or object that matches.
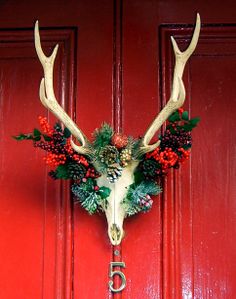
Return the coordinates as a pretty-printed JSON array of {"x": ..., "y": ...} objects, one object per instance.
[{"x": 115, "y": 64}]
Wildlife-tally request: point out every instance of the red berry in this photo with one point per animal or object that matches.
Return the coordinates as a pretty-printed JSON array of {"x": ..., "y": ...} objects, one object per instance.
[{"x": 119, "y": 140}]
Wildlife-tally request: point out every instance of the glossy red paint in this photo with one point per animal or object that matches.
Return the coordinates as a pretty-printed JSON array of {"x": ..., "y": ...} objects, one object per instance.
[{"x": 114, "y": 64}]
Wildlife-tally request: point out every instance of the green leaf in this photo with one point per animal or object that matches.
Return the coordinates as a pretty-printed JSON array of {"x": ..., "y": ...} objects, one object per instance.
[
  {"x": 36, "y": 133},
  {"x": 104, "y": 192},
  {"x": 47, "y": 138},
  {"x": 185, "y": 115},
  {"x": 187, "y": 127},
  {"x": 191, "y": 124},
  {"x": 57, "y": 127},
  {"x": 187, "y": 146},
  {"x": 138, "y": 177},
  {"x": 37, "y": 138},
  {"x": 172, "y": 130},
  {"x": 194, "y": 121},
  {"x": 21, "y": 137},
  {"x": 66, "y": 133},
  {"x": 62, "y": 172},
  {"x": 174, "y": 117},
  {"x": 89, "y": 185}
]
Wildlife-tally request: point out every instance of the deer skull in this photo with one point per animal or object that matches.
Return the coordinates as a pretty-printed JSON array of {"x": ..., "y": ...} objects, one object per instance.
[{"x": 115, "y": 209}]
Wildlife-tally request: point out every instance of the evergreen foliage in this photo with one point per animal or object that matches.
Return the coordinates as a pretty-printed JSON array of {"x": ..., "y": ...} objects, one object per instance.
[
  {"x": 138, "y": 192},
  {"x": 102, "y": 136},
  {"x": 90, "y": 197}
]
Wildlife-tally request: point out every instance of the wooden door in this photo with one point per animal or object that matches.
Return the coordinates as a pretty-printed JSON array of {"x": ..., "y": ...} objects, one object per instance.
[{"x": 115, "y": 65}]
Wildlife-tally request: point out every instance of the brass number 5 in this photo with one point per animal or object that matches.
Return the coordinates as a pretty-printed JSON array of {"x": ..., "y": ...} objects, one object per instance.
[{"x": 122, "y": 276}]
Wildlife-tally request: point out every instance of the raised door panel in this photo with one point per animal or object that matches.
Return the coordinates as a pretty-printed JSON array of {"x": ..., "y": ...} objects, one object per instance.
[
  {"x": 34, "y": 211},
  {"x": 201, "y": 199}
]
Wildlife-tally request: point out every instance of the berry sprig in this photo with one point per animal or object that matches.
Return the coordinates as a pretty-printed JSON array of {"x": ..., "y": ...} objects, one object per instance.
[
  {"x": 67, "y": 163},
  {"x": 174, "y": 148},
  {"x": 45, "y": 127},
  {"x": 55, "y": 159}
]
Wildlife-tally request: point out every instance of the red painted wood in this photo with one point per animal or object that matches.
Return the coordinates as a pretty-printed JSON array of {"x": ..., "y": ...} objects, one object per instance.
[
  {"x": 213, "y": 193},
  {"x": 93, "y": 63},
  {"x": 177, "y": 257},
  {"x": 195, "y": 261},
  {"x": 33, "y": 211},
  {"x": 112, "y": 62}
]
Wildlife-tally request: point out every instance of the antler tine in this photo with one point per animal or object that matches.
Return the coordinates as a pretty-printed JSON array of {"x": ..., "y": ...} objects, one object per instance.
[
  {"x": 48, "y": 99},
  {"x": 177, "y": 97}
]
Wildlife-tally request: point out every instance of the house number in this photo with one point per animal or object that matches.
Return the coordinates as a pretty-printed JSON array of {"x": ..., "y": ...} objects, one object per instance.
[{"x": 119, "y": 273}]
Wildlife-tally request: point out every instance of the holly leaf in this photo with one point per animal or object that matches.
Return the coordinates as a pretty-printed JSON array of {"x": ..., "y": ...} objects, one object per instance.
[
  {"x": 194, "y": 121},
  {"x": 89, "y": 185},
  {"x": 62, "y": 172},
  {"x": 187, "y": 127},
  {"x": 36, "y": 133},
  {"x": 186, "y": 146},
  {"x": 66, "y": 133},
  {"x": 104, "y": 192},
  {"x": 21, "y": 137},
  {"x": 174, "y": 117},
  {"x": 47, "y": 138},
  {"x": 185, "y": 115},
  {"x": 172, "y": 130},
  {"x": 57, "y": 127}
]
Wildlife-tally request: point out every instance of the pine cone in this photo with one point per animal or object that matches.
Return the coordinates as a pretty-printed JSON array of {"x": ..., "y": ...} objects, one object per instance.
[
  {"x": 114, "y": 172},
  {"x": 76, "y": 171},
  {"x": 125, "y": 156},
  {"x": 109, "y": 155}
]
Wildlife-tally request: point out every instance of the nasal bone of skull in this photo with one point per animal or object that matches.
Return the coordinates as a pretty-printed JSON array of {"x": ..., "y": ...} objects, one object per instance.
[{"x": 115, "y": 233}]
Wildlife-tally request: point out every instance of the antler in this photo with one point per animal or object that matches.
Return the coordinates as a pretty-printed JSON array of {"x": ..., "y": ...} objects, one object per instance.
[
  {"x": 48, "y": 99},
  {"x": 177, "y": 96}
]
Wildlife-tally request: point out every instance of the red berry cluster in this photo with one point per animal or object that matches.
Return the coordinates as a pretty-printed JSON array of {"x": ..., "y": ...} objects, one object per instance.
[
  {"x": 91, "y": 173},
  {"x": 184, "y": 154},
  {"x": 174, "y": 149},
  {"x": 60, "y": 151},
  {"x": 175, "y": 137},
  {"x": 90, "y": 170},
  {"x": 46, "y": 128},
  {"x": 168, "y": 158},
  {"x": 165, "y": 159},
  {"x": 80, "y": 159},
  {"x": 55, "y": 159}
]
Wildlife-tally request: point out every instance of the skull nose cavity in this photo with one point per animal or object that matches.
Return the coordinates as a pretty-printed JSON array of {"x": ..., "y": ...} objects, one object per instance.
[{"x": 115, "y": 234}]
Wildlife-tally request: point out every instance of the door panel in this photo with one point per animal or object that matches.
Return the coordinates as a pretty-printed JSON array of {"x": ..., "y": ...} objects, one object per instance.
[
  {"x": 213, "y": 187},
  {"x": 202, "y": 200},
  {"x": 33, "y": 211}
]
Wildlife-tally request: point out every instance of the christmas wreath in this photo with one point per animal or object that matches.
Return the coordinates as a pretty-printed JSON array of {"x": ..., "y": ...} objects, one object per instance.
[{"x": 113, "y": 151}]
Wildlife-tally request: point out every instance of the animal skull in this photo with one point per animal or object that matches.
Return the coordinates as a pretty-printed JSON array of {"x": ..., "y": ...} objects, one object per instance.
[{"x": 115, "y": 210}]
